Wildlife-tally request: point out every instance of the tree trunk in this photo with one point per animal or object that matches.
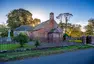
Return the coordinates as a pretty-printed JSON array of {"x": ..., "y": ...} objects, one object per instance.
[{"x": 66, "y": 24}]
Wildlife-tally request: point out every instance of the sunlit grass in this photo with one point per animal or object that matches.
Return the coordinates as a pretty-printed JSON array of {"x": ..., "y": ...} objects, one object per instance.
[
  {"x": 78, "y": 41},
  {"x": 9, "y": 46},
  {"x": 14, "y": 46}
]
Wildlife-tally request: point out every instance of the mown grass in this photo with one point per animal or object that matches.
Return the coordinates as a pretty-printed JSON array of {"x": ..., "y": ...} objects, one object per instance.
[
  {"x": 14, "y": 46},
  {"x": 9, "y": 46},
  {"x": 78, "y": 41},
  {"x": 36, "y": 53}
]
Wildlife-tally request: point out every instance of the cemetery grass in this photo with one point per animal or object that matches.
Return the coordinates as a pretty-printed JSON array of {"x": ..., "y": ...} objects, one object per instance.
[
  {"x": 77, "y": 41},
  {"x": 37, "y": 53},
  {"x": 14, "y": 46}
]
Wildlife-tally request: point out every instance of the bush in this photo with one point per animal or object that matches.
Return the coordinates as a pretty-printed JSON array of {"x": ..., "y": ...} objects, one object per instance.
[
  {"x": 22, "y": 39},
  {"x": 4, "y": 34},
  {"x": 37, "y": 43}
]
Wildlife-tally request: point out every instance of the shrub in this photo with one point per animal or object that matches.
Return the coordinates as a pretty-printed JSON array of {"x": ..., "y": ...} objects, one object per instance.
[
  {"x": 37, "y": 43},
  {"x": 22, "y": 39},
  {"x": 4, "y": 34}
]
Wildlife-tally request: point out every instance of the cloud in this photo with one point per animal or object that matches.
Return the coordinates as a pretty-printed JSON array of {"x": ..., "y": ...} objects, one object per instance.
[{"x": 3, "y": 19}]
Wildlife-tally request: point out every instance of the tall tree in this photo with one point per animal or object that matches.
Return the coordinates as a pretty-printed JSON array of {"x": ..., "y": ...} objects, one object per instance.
[
  {"x": 3, "y": 30},
  {"x": 90, "y": 27},
  {"x": 73, "y": 30},
  {"x": 19, "y": 17},
  {"x": 66, "y": 16},
  {"x": 36, "y": 21},
  {"x": 62, "y": 25}
]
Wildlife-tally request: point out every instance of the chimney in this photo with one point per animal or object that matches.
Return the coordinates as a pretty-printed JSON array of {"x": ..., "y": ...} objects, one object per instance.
[{"x": 51, "y": 16}]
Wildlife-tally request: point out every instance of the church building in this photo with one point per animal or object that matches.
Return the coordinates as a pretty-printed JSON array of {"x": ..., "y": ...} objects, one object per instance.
[{"x": 47, "y": 31}]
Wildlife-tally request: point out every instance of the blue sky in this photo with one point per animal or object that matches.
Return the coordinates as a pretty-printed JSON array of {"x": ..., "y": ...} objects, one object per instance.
[{"x": 82, "y": 10}]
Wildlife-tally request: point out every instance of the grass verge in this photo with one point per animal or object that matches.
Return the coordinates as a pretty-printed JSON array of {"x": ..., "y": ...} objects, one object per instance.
[
  {"x": 37, "y": 53},
  {"x": 14, "y": 46}
]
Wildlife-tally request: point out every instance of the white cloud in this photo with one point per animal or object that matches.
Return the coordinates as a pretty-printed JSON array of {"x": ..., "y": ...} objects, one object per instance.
[{"x": 3, "y": 19}]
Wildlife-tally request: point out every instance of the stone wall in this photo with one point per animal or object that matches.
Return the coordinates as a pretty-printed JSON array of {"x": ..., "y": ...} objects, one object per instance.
[
  {"x": 92, "y": 39},
  {"x": 88, "y": 39}
]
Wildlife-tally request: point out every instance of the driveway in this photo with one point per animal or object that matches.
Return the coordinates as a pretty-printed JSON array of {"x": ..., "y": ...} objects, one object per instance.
[{"x": 77, "y": 57}]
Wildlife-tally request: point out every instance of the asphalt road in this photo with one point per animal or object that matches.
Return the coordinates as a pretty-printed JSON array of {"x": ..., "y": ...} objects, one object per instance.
[{"x": 78, "y": 57}]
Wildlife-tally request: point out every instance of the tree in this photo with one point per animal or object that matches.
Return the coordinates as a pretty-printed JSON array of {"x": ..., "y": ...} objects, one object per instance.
[
  {"x": 22, "y": 39},
  {"x": 37, "y": 43},
  {"x": 66, "y": 16},
  {"x": 36, "y": 21},
  {"x": 19, "y": 17},
  {"x": 89, "y": 30},
  {"x": 90, "y": 27},
  {"x": 73, "y": 30},
  {"x": 62, "y": 25},
  {"x": 91, "y": 22},
  {"x": 3, "y": 30}
]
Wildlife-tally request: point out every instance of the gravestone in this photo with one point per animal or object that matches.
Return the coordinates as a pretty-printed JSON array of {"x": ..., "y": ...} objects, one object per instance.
[
  {"x": 88, "y": 39},
  {"x": 84, "y": 39},
  {"x": 92, "y": 39}
]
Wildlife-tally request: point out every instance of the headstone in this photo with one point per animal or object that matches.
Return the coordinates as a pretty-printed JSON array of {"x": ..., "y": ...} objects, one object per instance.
[
  {"x": 84, "y": 39},
  {"x": 88, "y": 39},
  {"x": 92, "y": 39}
]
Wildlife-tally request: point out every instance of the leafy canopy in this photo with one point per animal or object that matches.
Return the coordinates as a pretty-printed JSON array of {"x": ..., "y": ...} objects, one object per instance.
[
  {"x": 22, "y": 39},
  {"x": 90, "y": 27},
  {"x": 19, "y": 17}
]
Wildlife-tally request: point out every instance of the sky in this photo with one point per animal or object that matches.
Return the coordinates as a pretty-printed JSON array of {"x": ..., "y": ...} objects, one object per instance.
[{"x": 82, "y": 10}]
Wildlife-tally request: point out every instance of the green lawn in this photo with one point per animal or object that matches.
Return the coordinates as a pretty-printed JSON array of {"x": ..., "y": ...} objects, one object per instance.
[
  {"x": 9, "y": 46},
  {"x": 13, "y": 46},
  {"x": 36, "y": 53},
  {"x": 78, "y": 41}
]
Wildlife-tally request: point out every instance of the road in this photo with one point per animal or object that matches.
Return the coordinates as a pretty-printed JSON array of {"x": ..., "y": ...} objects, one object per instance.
[{"x": 77, "y": 57}]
